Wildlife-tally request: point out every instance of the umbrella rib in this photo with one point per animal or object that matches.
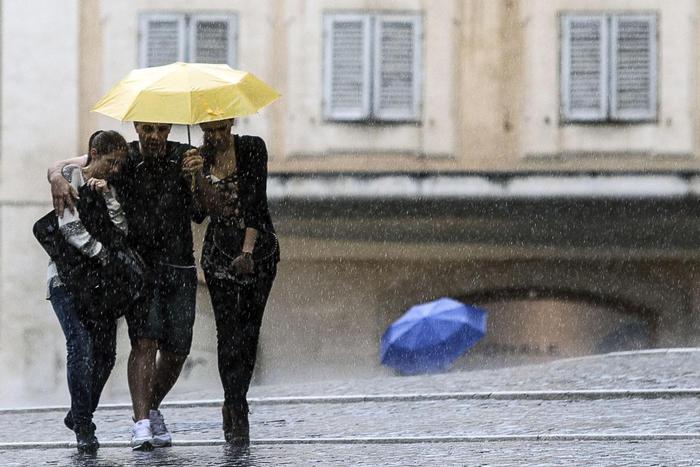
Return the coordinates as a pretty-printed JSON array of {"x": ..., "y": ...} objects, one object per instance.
[
  {"x": 247, "y": 100},
  {"x": 144, "y": 84},
  {"x": 405, "y": 330},
  {"x": 134, "y": 101}
]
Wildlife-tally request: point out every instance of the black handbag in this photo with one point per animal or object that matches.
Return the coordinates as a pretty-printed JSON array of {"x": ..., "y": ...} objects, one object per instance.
[{"x": 45, "y": 231}]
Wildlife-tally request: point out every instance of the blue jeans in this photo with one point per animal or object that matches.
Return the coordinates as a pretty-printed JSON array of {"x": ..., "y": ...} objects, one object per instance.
[{"x": 91, "y": 353}]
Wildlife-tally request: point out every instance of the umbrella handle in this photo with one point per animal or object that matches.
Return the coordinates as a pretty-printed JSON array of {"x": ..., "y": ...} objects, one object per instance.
[{"x": 189, "y": 141}]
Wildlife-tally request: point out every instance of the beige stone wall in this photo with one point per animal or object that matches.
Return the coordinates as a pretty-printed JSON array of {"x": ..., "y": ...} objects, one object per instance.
[
  {"x": 490, "y": 70},
  {"x": 542, "y": 132},
  {"x": 308, "y": 135},
  {"x": 490, "y": 86},
  {"x": 510, "y": 98},
  {"x": 39, "y": 124},
  {"x": 39, "y": 93}
]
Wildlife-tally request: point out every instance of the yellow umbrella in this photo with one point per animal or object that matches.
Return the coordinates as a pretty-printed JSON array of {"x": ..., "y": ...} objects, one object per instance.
[{"x": 185, "y": 93}]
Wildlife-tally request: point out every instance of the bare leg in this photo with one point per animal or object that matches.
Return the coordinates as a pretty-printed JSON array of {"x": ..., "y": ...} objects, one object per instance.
[
  {"x": 141, "y": 375},
  {"x": 168, "y": 368}
]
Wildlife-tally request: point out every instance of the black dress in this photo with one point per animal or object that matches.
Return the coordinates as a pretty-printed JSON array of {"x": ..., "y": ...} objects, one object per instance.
[{"x": 239, "y": 302}]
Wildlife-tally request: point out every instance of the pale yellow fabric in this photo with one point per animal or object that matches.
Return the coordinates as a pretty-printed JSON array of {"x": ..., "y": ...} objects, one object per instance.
[{"x": 186, "y": 93}]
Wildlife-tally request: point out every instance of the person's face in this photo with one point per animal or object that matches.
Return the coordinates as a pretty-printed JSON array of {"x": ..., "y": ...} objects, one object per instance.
[
  {"x": 217, "y": 135},
  {"x": 153, "y": 137},
  {"x": 108, "y": 166}
]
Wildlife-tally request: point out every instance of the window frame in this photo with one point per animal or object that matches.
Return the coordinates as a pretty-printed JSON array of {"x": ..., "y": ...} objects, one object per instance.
[
  {"x": 232, "y": 21},
  {"x": 610, "y": 115},
  {"x": 329, "y": 112},
  {"x": 371, "y": 112},
  {"x": 652, "y": 111},
  {"x": 187, "y": 20},
  {"x": 398, "y": 116},
  {"x": 144, "y": 36},
  {"x": 577, "y": 115}
]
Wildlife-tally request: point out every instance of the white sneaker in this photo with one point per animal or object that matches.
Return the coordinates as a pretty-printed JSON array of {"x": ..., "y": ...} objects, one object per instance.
[
  {"x": 141, "y": 435},
  {"x": 161, "y": 435}
]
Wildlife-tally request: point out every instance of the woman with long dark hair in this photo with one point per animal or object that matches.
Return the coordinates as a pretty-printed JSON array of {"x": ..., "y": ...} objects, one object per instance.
[
  {"x": 239, "y": 258},
  {"x": 86, "y": 277}
]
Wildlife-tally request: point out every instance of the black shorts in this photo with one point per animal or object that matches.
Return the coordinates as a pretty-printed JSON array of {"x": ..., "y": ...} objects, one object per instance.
[{"x": 168, "y": 311}]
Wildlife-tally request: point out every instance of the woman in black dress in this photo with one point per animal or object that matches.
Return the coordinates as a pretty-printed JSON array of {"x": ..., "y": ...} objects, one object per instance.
[{"x": 239, "y": 258}]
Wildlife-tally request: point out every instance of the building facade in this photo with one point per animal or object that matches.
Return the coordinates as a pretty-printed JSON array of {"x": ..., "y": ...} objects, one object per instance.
[{"x": 535, "y": 157}]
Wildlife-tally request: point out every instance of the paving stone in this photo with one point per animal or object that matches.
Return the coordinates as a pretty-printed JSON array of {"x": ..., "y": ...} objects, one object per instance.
[
  {"x": 427, "y": 418},
  {"x": 501, "y": 454}
]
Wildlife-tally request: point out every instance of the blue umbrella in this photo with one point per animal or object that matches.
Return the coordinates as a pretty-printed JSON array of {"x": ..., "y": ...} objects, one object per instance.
[{"x": 431, "y": 336}]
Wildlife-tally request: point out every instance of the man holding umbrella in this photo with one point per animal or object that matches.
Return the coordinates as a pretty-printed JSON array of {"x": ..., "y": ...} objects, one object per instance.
[
  {"x": 157, "y": 202},
  {"x": 158, "y": 199}
]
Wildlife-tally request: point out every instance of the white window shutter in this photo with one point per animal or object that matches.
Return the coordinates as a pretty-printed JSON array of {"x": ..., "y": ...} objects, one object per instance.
[
  {"x": 162, "y": 39},
  {"x": 633, "y": 67},
  {"x": 213, "y": 39},
  {"x": 584, "y": 68},
  {"x": 347, "y": 67},
  {"x": 397, "y": 67}
]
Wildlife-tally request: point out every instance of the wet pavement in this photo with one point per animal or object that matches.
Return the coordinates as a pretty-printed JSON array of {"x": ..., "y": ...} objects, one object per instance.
[
  {"x": 633, "y": 454},
  {"x": 660, "y": 427}
]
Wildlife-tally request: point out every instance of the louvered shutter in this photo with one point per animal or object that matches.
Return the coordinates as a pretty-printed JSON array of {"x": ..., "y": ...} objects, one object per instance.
[
  {"x": 347, "y": 67},
  {"x": 633, "y": 67},
  {"x": 397, "y": 55},
  {"x": 584, "y": 67},
  {"x": 213, "y": 39},
  {"x": 162, "y": 39}
]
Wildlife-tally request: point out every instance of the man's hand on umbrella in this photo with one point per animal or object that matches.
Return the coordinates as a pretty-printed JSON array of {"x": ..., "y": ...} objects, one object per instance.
[
  {"x": 63, "y": 194},
  {"x": 192, "y": 163}
]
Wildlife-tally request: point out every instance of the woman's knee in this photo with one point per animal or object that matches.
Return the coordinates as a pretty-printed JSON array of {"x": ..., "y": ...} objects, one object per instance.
[
  {"x": 78, "y": 348},
  {"x": 79, "y": 358},
  {"x": 106, "y": 360}
]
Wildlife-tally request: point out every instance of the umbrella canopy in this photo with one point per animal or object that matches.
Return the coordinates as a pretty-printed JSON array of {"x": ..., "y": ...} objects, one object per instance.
[
  {"x": 185, "y": 93},
  {"x": 431, "y": 336}
]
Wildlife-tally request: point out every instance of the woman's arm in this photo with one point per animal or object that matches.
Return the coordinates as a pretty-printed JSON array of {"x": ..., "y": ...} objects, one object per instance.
[
  {"x": 254, "y": 202},
  {"x": 251, "y": 235},
  {"x": 70, "y": 225},
  {"x": 115, "y": 211},
  {"x": 73, "y": 230},
  {"x": 62, "y": 193},
  {"x": 244, "y": 263},
  {"x": 207, "y": 199},
  {"x": 114, "y": 207},
  {"x": 255, "y": 207}
]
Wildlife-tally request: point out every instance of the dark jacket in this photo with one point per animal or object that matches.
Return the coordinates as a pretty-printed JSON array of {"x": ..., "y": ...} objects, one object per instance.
[
  {"x": 251, "y": 159},
  {"x": 157, "y": 201},
  {"x": 251, "y": 167},
  {"x": 100, "y": 291}
]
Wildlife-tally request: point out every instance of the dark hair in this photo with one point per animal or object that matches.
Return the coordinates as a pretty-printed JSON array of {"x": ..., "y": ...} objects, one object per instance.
[{"x": 105, "y": 142}]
